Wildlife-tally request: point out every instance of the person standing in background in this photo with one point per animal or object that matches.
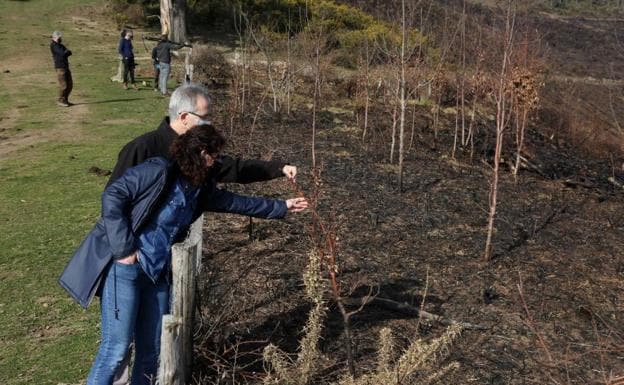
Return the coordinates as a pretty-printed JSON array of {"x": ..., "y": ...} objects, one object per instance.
[
  {"x": 163, "y": 54},
  {"x": 127, "y": 53},
  {"x": 61, "y": 64}
]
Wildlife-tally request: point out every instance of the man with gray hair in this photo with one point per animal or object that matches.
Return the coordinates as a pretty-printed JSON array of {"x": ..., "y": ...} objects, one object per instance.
[
  {"x": 61, "y": 65},
  {"x": 189, "y": 107}
]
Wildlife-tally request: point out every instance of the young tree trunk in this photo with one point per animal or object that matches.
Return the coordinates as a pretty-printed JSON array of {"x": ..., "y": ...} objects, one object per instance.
[
  {"x": 239, "y": 72},
  {"x": 395, "y": 120},
  {"x": 464, "y": 141},
  {"x": 403, "y": 100},
  {"x": 501, "y": 122},
  {"x": 520, "y": 128},
  {"x": 317, "y": 86},
  {"x": 413, "y": 128},
  {"x": 288, "y": 65},
  {"x": 456, "y": 122},
  {"x": 367, "y": 88}
]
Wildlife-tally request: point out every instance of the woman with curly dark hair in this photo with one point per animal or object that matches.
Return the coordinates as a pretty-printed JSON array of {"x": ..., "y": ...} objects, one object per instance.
[
  {"x": 189, "y": 160},
  {"x": 126, "y": 258}
]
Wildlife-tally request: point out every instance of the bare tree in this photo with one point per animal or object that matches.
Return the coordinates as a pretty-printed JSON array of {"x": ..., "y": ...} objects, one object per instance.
[
  {"x": 461, "y": 86},
  {"x": 314, "y": 47},
  {"x": 173, "y": 19},
  {"x": 263, "y": 41},
  {"x": 402, "y": 96},
  {"x": 502, "y": 119},
  {"x": 525, "y": 86},
  {"x": 365, "y": 60}
]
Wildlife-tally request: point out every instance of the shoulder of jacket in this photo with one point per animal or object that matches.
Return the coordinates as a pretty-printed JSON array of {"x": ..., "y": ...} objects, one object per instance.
[
  {"x": 143, "y": 139},
  {"x": 152, "y": 168},
  {"x": 158, "y": 161}
]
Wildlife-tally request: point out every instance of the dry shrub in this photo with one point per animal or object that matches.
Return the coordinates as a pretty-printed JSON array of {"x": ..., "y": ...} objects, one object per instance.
[
  {"x": 209, "y": 66},
  {"x": 124, "y": 13},
  {"x": 284, "y": 372},
  {"x": 135, "y": 14},
  {"x": 420, "y": 363}
]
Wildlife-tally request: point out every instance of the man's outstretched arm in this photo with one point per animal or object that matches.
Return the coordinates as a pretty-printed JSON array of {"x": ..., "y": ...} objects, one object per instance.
[{"x": 236, "y": 170}]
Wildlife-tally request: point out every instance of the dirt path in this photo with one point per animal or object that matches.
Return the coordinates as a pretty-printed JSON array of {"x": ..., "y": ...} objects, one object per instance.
[
  {"x": 63, "y": 122},
  {"x": 38, "y": 112}
]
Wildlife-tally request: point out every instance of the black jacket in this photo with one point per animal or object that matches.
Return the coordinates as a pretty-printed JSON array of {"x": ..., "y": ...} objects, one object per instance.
[
  {"x": 154, "y": 55},
  {"x": 60, "y": 55},
  {"x": 163, "y": 51},
  {"x": 227, "y": 169}
]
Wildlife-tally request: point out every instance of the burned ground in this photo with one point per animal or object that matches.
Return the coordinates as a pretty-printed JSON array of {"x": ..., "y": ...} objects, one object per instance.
[
  {"x": 558, "y": 237},
  {"x": 550, "y": 298}
]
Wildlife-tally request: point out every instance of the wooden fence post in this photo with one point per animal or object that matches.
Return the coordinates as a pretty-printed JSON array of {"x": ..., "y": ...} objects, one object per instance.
[
  {"x": 176, "y": 347},
  {"x": 188, "y": 67},
  {"x": 119, "y": 76}
]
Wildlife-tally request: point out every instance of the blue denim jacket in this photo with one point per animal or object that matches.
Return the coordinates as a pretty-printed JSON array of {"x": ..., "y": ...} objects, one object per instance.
[{"x": 155, "y": 240}]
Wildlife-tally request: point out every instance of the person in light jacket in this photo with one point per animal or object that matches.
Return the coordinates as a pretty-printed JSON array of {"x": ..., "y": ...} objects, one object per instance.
[{"x": 127, "y": 255}]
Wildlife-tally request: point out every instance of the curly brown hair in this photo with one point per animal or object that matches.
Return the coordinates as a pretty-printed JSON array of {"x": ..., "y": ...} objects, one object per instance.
[{"x": 186, "y": 152}]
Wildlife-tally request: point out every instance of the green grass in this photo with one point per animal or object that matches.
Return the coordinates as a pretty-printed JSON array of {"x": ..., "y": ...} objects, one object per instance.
[{"x": 49, "y": 198}]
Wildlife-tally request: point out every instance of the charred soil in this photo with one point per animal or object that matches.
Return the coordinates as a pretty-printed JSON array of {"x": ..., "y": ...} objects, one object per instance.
[{"x": 551, "y": 297}]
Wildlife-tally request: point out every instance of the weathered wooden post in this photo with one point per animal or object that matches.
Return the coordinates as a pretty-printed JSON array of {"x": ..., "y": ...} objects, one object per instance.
[
  {"x": 188, "y": 67},
  {"x": 176, "y": 347},
  {"x": 119, "y": 76}
]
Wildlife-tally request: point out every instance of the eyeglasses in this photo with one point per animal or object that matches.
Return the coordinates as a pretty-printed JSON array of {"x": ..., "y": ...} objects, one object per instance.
[{"x": 202, "y": 119}]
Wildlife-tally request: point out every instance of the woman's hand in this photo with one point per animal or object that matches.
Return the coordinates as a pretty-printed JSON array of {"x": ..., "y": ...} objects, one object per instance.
[
  {"x": 296, "y": 205},
  {"x": 130, "y": 259}
]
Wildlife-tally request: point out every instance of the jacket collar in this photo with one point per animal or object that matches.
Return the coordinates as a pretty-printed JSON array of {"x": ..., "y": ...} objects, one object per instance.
[{"x": 166, "y": 130}]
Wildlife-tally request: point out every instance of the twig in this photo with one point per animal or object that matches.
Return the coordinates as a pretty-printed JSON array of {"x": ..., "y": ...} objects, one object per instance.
[
  {"x": 531, "y": 324},
  {"x": 408, "y": 309}
]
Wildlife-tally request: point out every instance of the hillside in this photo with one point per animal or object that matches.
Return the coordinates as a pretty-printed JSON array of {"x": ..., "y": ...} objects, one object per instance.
[
  {"x": 551, "y": 296},
  {"x": 549, "y": 303}
]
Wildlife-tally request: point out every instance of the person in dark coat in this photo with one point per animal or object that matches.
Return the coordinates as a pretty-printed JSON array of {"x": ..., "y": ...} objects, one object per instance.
[
  {"x": 126, "y": 50},
  {"x": 61, "y": 64},
  {"x": 163, "y": 53},
  {"x": 190, "y": 106},
  {"x": 127, "y": 255}
]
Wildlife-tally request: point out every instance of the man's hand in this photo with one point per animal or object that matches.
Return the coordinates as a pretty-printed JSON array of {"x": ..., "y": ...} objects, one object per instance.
[
  {"x": 290, "y": 171},
  {"x": 296, "y": 205},
  {"x": 130, "y": 259}
]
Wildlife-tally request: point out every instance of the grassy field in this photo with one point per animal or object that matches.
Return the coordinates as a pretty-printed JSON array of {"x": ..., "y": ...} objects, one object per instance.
[{"x": 49, "y": 198}]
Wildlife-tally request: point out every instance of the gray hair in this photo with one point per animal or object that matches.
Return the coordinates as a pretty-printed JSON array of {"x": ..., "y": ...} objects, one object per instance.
[
  {"x": 56, "y": 34},
  {"x": 184, "y": 99}
]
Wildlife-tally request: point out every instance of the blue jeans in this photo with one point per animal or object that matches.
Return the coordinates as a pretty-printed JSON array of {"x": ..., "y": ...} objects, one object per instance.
[
  {"x": 132, "y": 307},
  {"x": 164, "y": 75}
]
